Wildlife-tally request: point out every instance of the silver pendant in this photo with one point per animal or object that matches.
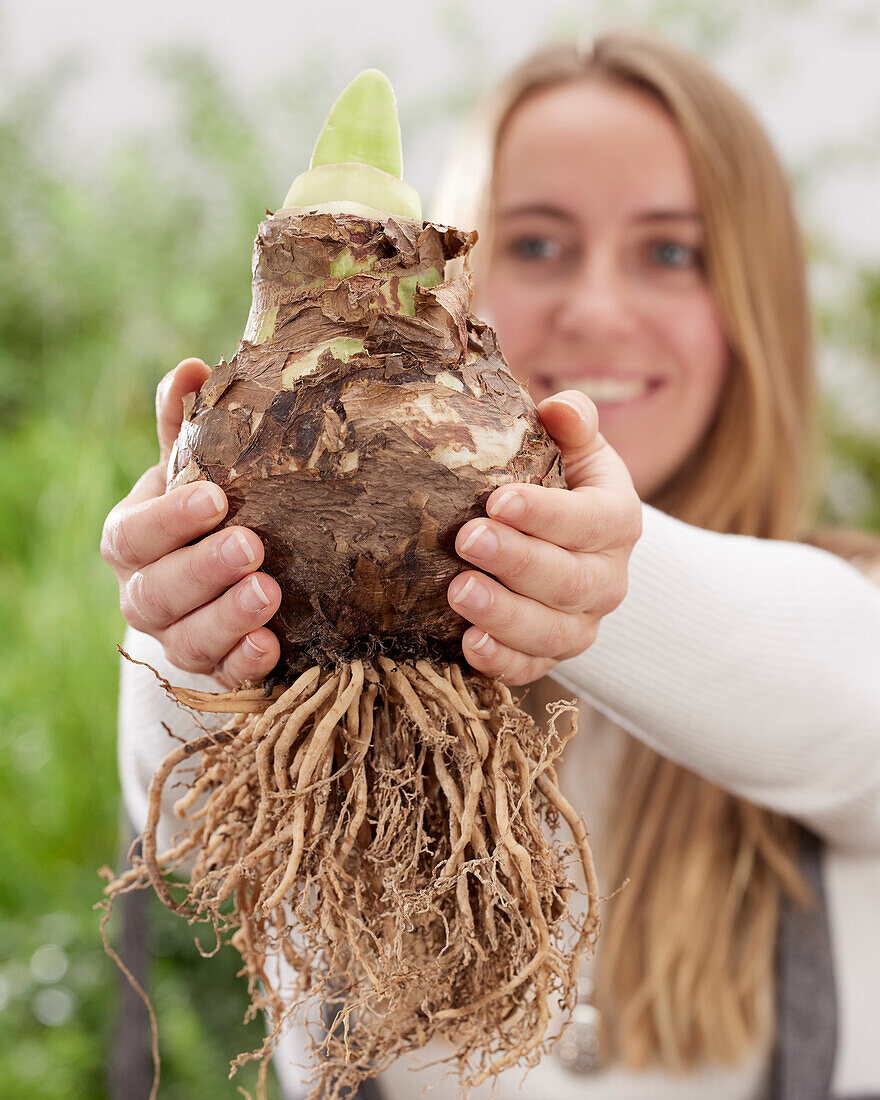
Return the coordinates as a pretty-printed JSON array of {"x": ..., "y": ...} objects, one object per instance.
[{"x": 578, "y": 1048}]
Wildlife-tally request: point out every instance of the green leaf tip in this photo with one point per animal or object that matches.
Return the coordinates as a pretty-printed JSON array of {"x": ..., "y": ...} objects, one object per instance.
[
  {"x": 357, "y": 165},
  {"x": 362, "y": 127}
]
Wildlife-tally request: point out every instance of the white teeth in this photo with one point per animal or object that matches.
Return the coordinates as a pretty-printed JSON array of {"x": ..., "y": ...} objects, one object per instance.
[{"x": 606, "y": 390}]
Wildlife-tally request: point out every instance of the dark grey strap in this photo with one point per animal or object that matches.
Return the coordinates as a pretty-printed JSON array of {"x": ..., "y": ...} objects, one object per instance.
[
  {"x": 368, "y": 1090},
  {"x": 130, "y": 1068},
  {"x": 806, "y": 1003}
]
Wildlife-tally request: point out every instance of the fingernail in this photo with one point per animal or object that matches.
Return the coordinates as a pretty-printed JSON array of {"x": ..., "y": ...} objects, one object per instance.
[
  {"x": 485, "y": 646},
  {"x": 473, "y": 595},
  {"x": 575, "y": 403},
  {"x": 207, "y": 501},
  {"x": 480, "y": 543},
  {"x": 251, "y": 650},
  {"x": 509, "y": 505},
  {"x": 236, "y": 551},
  {"x": 253, "y": 598}
]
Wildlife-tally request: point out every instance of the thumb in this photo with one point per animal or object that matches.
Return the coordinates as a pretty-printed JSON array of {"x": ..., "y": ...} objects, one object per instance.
[
  {"x": 187, "y": 377},
  {"x": 572, "y": 421}
]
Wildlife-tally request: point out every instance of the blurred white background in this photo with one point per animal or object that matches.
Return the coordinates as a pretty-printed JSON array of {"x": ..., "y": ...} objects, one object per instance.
[
  {"x": 139, "y": 145},
  {"x": 810, "y": 68}
]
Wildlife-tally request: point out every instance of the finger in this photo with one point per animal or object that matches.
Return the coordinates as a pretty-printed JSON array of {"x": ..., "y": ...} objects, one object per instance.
[
  {"x": 187, "y": 377},
  {"x": 491, "y": 658},
  {"x": 177, "y": 583},
  {"x": 252, "y": 659},
  {"x": 201, "y": 640},
  {"x": 580, "y": 520},
  {"x": 570, "y": 417},
  {"x": 137, "y": 535},
  {"x": 543, "y": 571},
  {"x": 518, "y": 622}
]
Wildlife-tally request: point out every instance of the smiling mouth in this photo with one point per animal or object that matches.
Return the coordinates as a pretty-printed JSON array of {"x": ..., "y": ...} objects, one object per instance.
[{"x": 607, "y": 391}]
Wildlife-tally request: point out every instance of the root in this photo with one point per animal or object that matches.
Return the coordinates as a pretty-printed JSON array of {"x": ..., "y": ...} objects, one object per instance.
[{"x": 385, "y": 829}]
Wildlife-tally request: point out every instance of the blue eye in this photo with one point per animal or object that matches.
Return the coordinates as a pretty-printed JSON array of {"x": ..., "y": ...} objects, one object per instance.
[
  {"x": 535, "y": 248},
  {"x": 674, "y": 254}
]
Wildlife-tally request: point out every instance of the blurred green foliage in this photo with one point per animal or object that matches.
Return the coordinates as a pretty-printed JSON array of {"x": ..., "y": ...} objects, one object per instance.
[
  {"x": 108, "y": 277},
  {"x": 105, "y": 283}
]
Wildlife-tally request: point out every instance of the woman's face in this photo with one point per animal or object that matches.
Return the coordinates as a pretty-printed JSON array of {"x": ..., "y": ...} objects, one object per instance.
[{"x": 596, "y": 278}]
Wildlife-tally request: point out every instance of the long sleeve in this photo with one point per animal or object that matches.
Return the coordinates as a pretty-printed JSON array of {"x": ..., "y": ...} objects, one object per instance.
[
  {"x": 754, "y": 663},
  {"x": 146, "y": 715}
]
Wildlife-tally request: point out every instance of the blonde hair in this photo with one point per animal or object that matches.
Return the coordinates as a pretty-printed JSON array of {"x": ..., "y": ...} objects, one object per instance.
[{"x": 685, "y": 968}]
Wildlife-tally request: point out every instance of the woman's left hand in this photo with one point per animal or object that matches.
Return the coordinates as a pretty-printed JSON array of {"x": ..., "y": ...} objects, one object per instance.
[{"x": 557, "y": 557}]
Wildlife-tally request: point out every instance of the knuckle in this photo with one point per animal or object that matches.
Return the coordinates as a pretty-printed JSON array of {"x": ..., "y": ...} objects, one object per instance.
[
  {"x": 116, "y": 549},
  {"x": 107, "y": 546},
  {"x": 188, "y": 652},
  {"x": 578, "y": 591},
  {"x": 165, "y": 383},
  {"x": 127, "y": 608},
  {"x": 588, "y": 631},
  {"x": 557, "y": 636},
  {"x": 163, "y": 392},
  {"x": 228, "y": 670},
  {"x": 503, "y": 618},
  {"x": 197, "y": 565},
  {"x": 591, "y": 523},
  {"x": 528, "y": 670},
  {"x": 632, "y": 522},
  {"x": 169, "y": 520},
  {"x": 520, "y": 561},
  {"x": 615, "y": 590},
  {"x": 146, "y": 600}
]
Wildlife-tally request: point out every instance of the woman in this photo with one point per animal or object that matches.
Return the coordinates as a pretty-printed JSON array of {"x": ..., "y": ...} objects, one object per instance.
[{"x": 638, "y": 248}]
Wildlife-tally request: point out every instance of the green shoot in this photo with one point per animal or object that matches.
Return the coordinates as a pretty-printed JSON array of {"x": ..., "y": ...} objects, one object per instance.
[{"x": 357, "y": 162}]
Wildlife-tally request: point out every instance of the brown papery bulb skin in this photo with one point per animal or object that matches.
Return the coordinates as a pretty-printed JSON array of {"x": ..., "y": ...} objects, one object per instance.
[{"x": 357, "y": 464}]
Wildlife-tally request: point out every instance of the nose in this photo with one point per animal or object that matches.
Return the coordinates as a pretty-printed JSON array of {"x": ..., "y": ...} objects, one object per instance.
[{"x": 596, "y": 302}]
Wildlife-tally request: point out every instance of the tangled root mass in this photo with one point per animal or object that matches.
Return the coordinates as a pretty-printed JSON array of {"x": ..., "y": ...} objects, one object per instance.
[{"x": 383, "y": 828}]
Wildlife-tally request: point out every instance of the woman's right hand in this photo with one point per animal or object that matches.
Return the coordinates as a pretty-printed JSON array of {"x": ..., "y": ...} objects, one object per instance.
[{"x": 206, "y": 603}]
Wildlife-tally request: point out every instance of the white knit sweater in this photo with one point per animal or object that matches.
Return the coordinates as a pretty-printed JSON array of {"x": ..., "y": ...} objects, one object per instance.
[{"x": 753, "y": 663}]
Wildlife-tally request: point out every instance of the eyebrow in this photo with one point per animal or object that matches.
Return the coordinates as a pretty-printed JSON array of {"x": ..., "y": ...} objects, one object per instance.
[
  {"x": 664, "y": 215},
  {"x": 670, "y": 215},
  {"x": 535, "y": 208}
]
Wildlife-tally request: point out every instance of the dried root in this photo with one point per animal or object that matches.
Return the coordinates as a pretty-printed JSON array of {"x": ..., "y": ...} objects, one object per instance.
[{"x": 383, "y": 827}]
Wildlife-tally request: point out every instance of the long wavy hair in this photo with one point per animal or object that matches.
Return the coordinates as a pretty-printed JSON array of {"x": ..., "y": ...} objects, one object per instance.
[{"x": 685, "y": 966}]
